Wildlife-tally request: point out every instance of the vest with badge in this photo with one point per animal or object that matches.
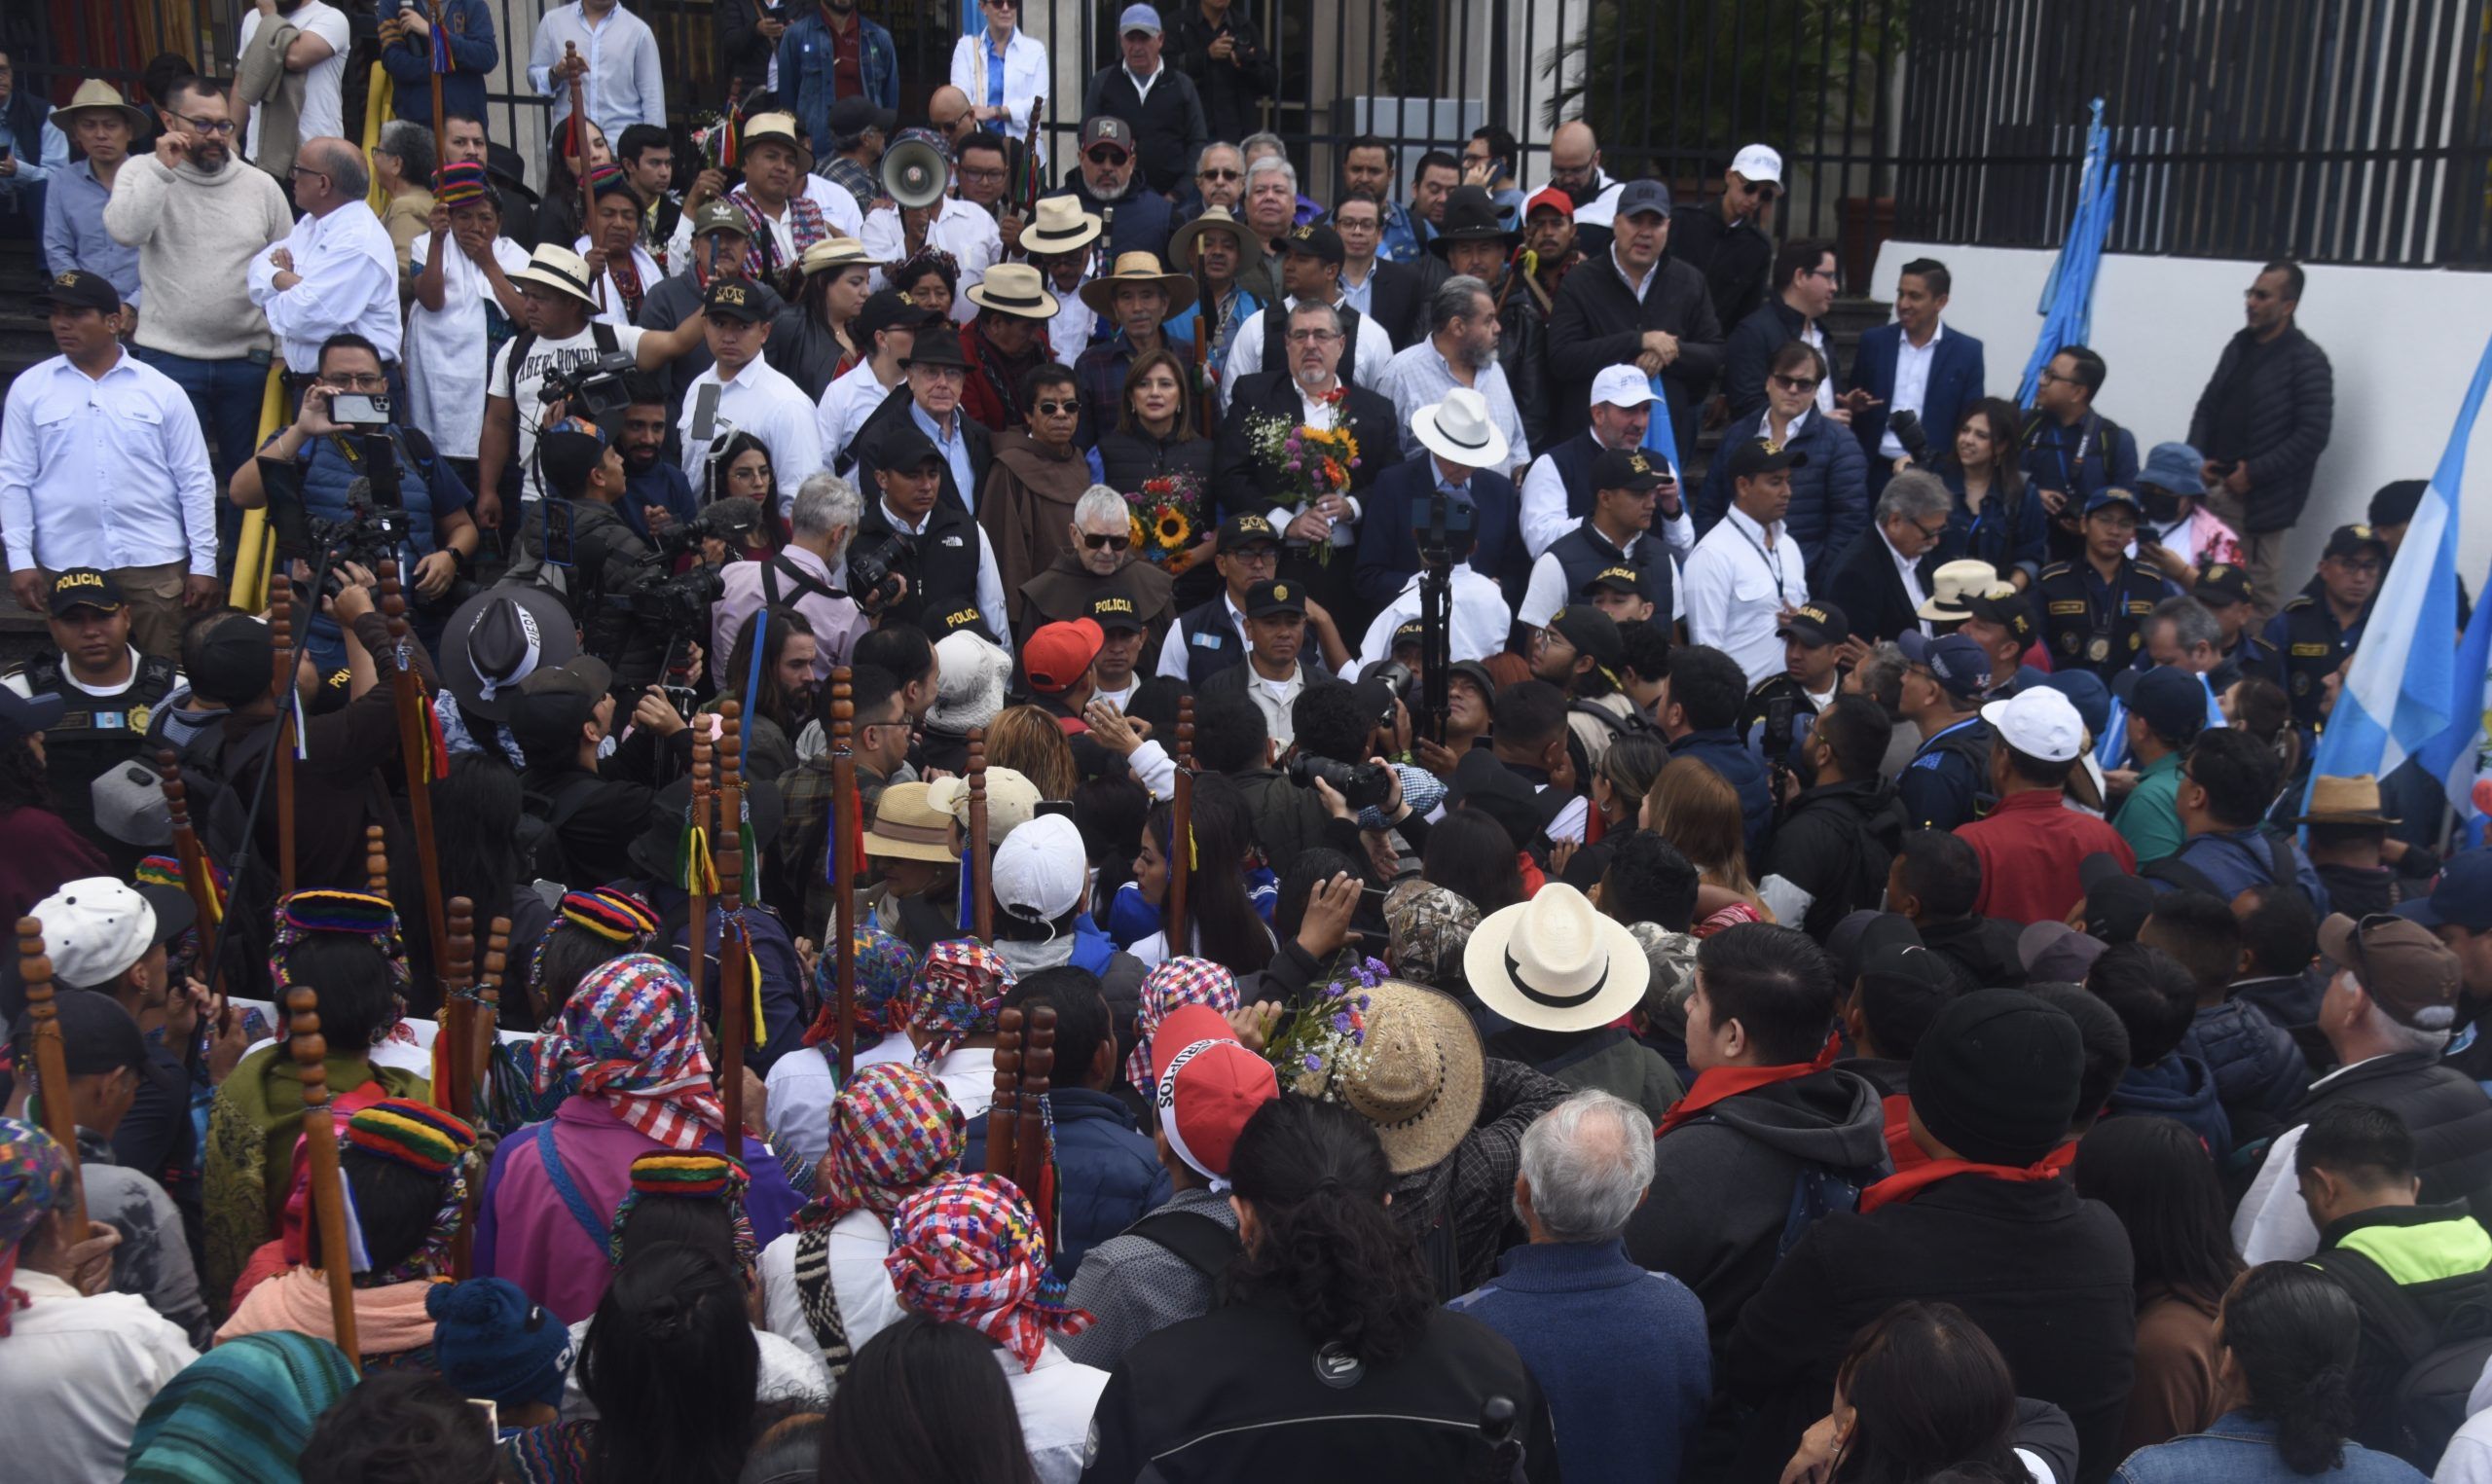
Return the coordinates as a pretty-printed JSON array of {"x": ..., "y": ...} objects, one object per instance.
[
  {"x": 1584, "y": 553},
  {"x": 942, "y": 563},
  {"x": 1212, "y": 644},
  {"x": 2315, "y": 644},
  {"x": 1573, "y": 462},
  {"x": 94, "y": 733},
  {"x": 2084, "y": 637}
]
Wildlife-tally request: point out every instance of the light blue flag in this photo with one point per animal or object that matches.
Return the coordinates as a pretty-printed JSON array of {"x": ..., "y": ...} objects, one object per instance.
[
  {"x": 1659, "y": 438},
  {"x": 2455, "y": 755},
  {"x": 2410, "y": 690},
  {"x": 2067, "y": 295}
]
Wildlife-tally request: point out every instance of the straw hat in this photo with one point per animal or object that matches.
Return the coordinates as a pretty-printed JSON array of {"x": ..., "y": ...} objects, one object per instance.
[
  {"x": 1460, "y": 430},
  {"x": 1100, "y": 294},
  {"x": 1181, "y": 247},
  {"x": 554, "y": 267},
  {"x": 1950, "y": 585},
  {"x": 778, "y": 128},
  {"x": 832, "y": 254},
  {"x": 1060, "y": 224},
  {"x": 907, "y": 826},
  {"x": 1554, "y": 962},
  {"x": 1418, "y": 1076},
  {"x": 1015, "y": 289},
  {"x": 97, "y": 94},
  {"x": 2352, "y": 799}
]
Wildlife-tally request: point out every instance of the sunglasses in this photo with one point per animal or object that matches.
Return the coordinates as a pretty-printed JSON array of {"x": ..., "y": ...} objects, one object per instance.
[
  {"x": 1064, "y": 409},
  {"x": 1106, "y": 156},
  {"x": 1100, "y": 543},
  {"x": 1220, "y": 174},
  {"x": 1796, "y": 384},
  {"x": 1762, "y": 192}
]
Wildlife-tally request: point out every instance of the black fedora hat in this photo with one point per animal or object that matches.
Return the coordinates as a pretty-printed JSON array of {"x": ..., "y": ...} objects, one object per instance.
[{"x": 1471, "y": 216}]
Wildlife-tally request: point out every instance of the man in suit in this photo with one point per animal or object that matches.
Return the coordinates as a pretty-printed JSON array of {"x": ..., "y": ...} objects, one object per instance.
[
  {"x": 1462, "y": 450},
  {"x": 1917, "y": 365},
  {"x": 1884, "y": 576},
  {"x": 1805, "y": 277},
  {"x": 937, "y": 373},
  {"x": 1635, "y": 306},
  {"x": 1395, "y": 295},
  {"x": 1307, "y": 392}
]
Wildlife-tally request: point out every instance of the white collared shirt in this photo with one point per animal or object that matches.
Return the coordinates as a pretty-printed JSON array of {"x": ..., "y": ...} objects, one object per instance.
[
  {"x": 759, "y": 399},
  {"x": 1912, "y": 390},
  {"x": 1374, "y": 352},
  {"x": 1813, "y": 334},
  {"x": 846, "y": 403},
  {"x": 1914, "y": 592},
  {"x": 1419, "y": 374},
  {"x": 107, "y": 472},
  {"x": 1276, "y": 699},
  {"x": 625, "y": 85},
  {"x": 959, "y": 227},
  {"x": 1172, "y": 649},
  {"x": 1738, "y": 583},
  {"x": 1142, "y": 85},
  {"x": 1639, "y": 286},
  {"x": 1547, "y": 505},
  {"x": 990, "y": 586},
  {"x": 1025, "y": 76},
  {"x": 348, "y": 272}
]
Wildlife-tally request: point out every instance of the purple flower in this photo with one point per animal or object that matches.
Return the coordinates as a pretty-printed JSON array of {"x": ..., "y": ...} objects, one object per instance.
[
  {"x": 1332, "y": 991},
  {"x": 1342, "y": 1021},
  {"x": 1314, "y": 1063}
]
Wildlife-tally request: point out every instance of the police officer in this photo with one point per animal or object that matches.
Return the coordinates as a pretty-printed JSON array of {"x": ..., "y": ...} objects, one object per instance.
[
  {"x": 2001, "y": 620},
  {"x": 2317, "y": 631},
  {"x": 2225, "y": 590},
  {"x": 1813, "y": 640},
  {"x": 1617, "y": 531},
  {"x": 944, "y": 556},
  {"x": 2095, "y": 607},
  {"x": 108, "y": 690},
  {"x": 1211, "y": 638},
  {"x": 1947, "y": 784}
]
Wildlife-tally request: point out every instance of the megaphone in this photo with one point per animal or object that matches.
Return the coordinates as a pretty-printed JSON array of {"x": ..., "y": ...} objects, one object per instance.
[{"x": 915, "y": 173}]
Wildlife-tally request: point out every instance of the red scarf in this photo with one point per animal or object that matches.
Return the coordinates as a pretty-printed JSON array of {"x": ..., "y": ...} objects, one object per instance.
[
  {"x": 1716, "y": 1084},
  {"x": 1912, "y": 1183}
]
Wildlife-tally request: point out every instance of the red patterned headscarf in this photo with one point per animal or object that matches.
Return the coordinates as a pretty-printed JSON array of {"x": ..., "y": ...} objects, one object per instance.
[
  {"x": 1173, "y": 983},
  {"x": 631, "y": 1038},
  {"x": 956, "y": 995},
  {"x": 892, "y": 1127},
  {"x": 966, "y": 1251}
]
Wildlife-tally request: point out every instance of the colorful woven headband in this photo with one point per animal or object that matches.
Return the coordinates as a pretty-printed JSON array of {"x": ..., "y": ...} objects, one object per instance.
[
  {"x": 892, "y": 1127},
  {"x": 956, "y": 995},
  {"x": 606, "y": 178},
  {"x": 358, "y": 913},
  {"x": 1175, "y": 983},
  {"x": 34, "y": 1182},
  {"x": 687, "y": 1175},
  {"x": 618, "y": 917},
  {"x": 630, "y": 1036},
  {"x": 884, "y": 965},
  {"x": 415, "y": 1135},
  {"x": 455, "y": 185},
  {"x": 966, "y": 1251},
  {"x": 166, "y": 871}
]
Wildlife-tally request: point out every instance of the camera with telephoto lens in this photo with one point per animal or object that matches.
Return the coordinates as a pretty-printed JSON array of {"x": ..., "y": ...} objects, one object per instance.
[
  {"x": 596, "y": 390},
  {"x": 729, "y": 521},
  {"x": 871, "y": 580},
  {"x": 1442, "y": 527},
  {"x": 1361, "y": 785},
  {"x": 1398, "y": 681},
  {"x": 1911, "y": 434}
]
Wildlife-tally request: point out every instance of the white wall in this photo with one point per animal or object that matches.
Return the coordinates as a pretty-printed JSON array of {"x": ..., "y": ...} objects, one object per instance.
[{"x": 2403, "y": 344}]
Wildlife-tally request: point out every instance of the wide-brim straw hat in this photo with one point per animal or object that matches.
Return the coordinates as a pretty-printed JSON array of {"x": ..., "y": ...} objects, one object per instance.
[
  {"x": 2350, "y": 799},
  {"x": 1181, "y": 247},
  {"x": 834, "y": 254},
  {"x": 1060, "y": 224},
  {"x": 1952, "y": 584},
  {"x": 558, "y": 267},
  {"x": 1555, "y": 963},
  {"x": 1417, "y": 1076},
  {"x": 1016, "y": 289},
  {"x": 778, "y": 128},
  {"x": 97, "y": 94},
  {"x": 1461, "y": 429},
  {"x": 1100, "y": 294}
]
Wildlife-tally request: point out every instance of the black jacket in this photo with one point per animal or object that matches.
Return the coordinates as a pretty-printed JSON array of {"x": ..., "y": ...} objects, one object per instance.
[
  {"x": 1128, "y": 460},
  {"x": 893, "y": 409},
  {"x": 1836, "y": 842},
  {"x": 1984, "y": 948},
  {"x": 1735, "y": 260},
  {"x": 1398, "y": 297},
  {"x": 1244, "y": 1393},
  {"x": 1749, "y": 350},
  {"x": 1862, "y": 580},
  {"x": 1241, "y": 479},
  {"x": 1170, "y": 129},
  {"x": 2448, "y": 1112},
  {"x": 2045, "y": 1274},
  {"x": 2293, "y": 404},
  {"x": 742, "y": 46},
  {"x": 1231, "y": 90},
  {"x": 1598, "y": 321}
]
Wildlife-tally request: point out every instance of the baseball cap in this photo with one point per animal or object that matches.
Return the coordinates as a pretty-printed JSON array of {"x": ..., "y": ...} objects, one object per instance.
[
  {"x": 2001, "y": 605},
  {"x": 79, "y": 289},
  {"x": 1622, "y": 387},
  {"x": 1039, "y": 869},
  {"x": 553, "y": 702},
  {"x": 82, "y": 587},
  {"x": 721, "y": 216},
  {"x": 886, "y": 310},
  {"x": 1107, "y": 129},
  {"x": 2461, "y": 898},
  {"x": 1759, "y": 161},
  {"x": 1244, "y": 531},
  {"x": 1626, "y": 469},
  {"x": 2054, "y": 952},
  {"x": 1316, "y": 239},
  {"x": 2404, "y": 969},
  {"x": 2117, "y": 903},
  {"x": 852, "y": 116},
  {"x": 1818, "y": 624},
  {"x": 2171, "y": 701},
  {"x": 1413, "y": 631},
  {"x": 1609, "y": 579},
  {"x": 1266, "y": 599},
  {"x": 1758, "y": 456},
  {"x": 2085, "y": 691},
  {"x": 2221, "y": 584},
  {"x": 1205, "y": 1086},
  {"x": 1642, "y": 195},
  {"x": 2041, "y": 723},
  {"x": 1059, "y": 654},
  {"x": 96, "y": 927},
  {"x": 1590, "y": 632},
  {"x": 2115, "y": 495},
  {"x": 1551, "y": 198},
  {"x": 1957, "y": 661},
  {"x": 97, "y": 1035},
  {"x": 732, "y": 298},
  {"x": 2174, "y": 466},
  {"x": 1138, "y": 18},
  {"x": 2345, "y": 540},
  {"x": 1117, "y": 611}
]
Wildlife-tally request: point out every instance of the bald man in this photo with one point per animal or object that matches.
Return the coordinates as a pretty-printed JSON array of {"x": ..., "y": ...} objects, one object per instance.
[
  {"x": 337, "y": 272},
  {"x": 948, "y": 110},
  {"x": 1574, "y": 167}
]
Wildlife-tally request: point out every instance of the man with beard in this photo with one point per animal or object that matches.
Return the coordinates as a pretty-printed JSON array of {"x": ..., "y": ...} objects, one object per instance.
[
  {"x": 1111, "y": 187},
  {"x": 1473, "y": 244},
  {"x": 198, "y": 223},
  {"x": 1549, "y": 236},
  {"x": 655, "y": 492},
  {"x": 1460, "y": 352},
  {"x": 1842, "y": 822}
]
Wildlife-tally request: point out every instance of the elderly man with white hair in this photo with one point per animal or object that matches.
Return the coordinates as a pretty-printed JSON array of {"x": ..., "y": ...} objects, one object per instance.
[
  {"x": 1620, "y": 1352},
  {"x": 1097, "y": 561},
  {"x": 803, "y": 575}
]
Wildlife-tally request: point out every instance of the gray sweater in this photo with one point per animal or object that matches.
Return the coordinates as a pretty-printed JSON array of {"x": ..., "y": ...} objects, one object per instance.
[{"x": 197, "y": 234}]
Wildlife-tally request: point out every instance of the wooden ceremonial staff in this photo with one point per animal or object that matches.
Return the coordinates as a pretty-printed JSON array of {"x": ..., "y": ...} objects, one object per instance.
[
  {"x": 982, "y": 889},
  {"x": 452, "y": 1036},
  {"x": 1203, "y": 336},
  {"x": 51, "y": 1064},
  {"x": 1003, "y": 1121},
  {"x": 735, "y": 948},
  {"x": 281, "y": 679},
  {"x": 1181, "y": 832},
  {"x": 489, "y": 1006},
  {"x": 845, "y": 821},
  {"x": 415, "y": 758},
  {"x": 186, "y": 850},
  {"x": 1029, "y": 1148},
  {"x": 695, "y": 878},
  {"x": 439, "y": 40},
  {"x": 579, "y": 135},
  {"x": 328, "y": 1187},
  {"x": 375, "y": 860}
]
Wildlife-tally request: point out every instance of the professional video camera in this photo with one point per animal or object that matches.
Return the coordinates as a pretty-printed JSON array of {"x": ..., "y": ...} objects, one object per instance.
[
  {"x": 1909, "y": 432},
  {"x": 729, "y": 521},
  {"x": 871, "y": 581},
  {"x": 1361, "y": 785},
  {"x": 374, "y": 526},
  {"x": 596, "y": 390}
]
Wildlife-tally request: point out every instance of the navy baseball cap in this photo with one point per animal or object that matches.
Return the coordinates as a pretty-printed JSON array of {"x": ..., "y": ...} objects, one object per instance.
[
  {"x": 2462, "y": 896},
  {"x": 2171, "y": 701},
  {"x": 1957, "y": 661}
]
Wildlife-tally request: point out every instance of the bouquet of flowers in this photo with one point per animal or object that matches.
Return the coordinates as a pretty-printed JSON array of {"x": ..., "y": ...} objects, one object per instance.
[
  {"x": 1308, "y": 463},
  {"x": 1169, "y": 519},
  {"x": 1329, "y": 1037}
]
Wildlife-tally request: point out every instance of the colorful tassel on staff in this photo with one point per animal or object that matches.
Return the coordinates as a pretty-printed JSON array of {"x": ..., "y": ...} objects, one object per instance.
[
  {"x": 440, "y": 45},
  {"x": 302, "y": 750},
  {"x": 694, "y": 870},
  {"x": 753, "y": 983}
]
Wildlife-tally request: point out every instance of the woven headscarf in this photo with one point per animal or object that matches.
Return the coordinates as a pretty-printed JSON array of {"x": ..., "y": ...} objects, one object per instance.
[
  {"x": 965, "y": 1250},
  {"x": 357, "y": 913},
  {"x": 690, "y": 1175},
  {"x": 956, "y": 995},
  {"x": 1428, "y": 927},
  {"x": 615, "y": 916},
  {"x": 34, "y": 1182},
  {"x": 239, "y": 1414},
  {"x": 631, "y": 1037},
  {"x": 892, "y": 1127},
  {"x": 425, "y": 1140},
  {"x": 1173, "y": 983},
  {"x": 884, "y": 965}
]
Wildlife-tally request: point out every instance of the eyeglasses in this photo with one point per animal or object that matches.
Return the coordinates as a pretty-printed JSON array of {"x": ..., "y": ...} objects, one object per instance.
[
  {"x": 1931, "y": 532},
  {"x": 1255, "y": 556},
  {"x": 1312, "y": 336},
  {"x": 357, "y": 380},
  {"x": 1065, "y": 409},
  {"x": 981, "y": 175},
  {"x": 207, "y": 126},
  {"x": 1106, "y": 154},
  {"x": 2049, "y": 377},
  {"x": 1797, "y": 383},
  {"x": 297, "y": 172},
  {"x": 1097, "y": 542}
]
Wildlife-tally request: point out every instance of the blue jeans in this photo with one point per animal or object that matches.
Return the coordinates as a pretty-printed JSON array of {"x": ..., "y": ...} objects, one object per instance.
[{"x": 227, "y": 395}]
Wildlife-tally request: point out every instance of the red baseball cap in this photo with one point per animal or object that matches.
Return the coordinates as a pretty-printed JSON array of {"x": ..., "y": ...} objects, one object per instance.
[
  {"x": 1059, "y": 654},
  {"x": 1206, "y": 1087},
  {"x": 1554, "y": 198}
]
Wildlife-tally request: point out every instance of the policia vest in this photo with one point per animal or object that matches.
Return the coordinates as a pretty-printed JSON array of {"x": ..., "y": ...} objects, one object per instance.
[
  {"x": 2315, "y": 644},
  {"x": 2100, "y": 635},
  {"x": 94, "y": 733},
  {"x": 1212, "y": 642},
  {"x": 1584, "y": 553}
]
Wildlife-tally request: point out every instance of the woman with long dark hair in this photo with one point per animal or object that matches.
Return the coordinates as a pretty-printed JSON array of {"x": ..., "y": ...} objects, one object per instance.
[
  {"x": 1328, "y": 1340},
  {"x": 923, "y": 1402},
  {"x": 1152, "y": 436},
  {"x": 1922, "y": 1391},
  {"x": 742, "y": 471},
  {"x": 1220, "y": 920},
  {"x": 1470, "y": 855},
  {"x": 558, "y": 212},
  {"x": 471, "y": 814},
  {"x": 1999, "y": 515},
  {"x": 2158, "y": 1179},
  {"x": 2287, "y": 1341}
]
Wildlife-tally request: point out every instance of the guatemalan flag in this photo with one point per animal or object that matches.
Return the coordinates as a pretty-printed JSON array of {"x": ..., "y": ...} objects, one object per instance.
[{"x": 2409, "y": 692}]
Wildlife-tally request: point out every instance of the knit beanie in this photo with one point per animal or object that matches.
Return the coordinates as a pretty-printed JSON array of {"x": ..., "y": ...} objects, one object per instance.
[
  {"x": 417, "y": 1134},
  {"x": 1995, "y": 1079},
  {"x": 489, "y": 1341}
]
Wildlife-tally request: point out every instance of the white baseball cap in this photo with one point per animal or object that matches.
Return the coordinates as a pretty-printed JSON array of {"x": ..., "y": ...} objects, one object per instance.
[
  {"x": 94, "y": 928},
  {"x": 1759, "y": 161},
  {"x": 1622, "y": 387},
  {"x": 1039, "y": 870},
  {"x": 2039, "y": 722}
]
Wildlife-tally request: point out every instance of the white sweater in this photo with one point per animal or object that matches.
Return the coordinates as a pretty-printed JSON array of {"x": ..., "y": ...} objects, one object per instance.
[{"x": 196, "y": 236}]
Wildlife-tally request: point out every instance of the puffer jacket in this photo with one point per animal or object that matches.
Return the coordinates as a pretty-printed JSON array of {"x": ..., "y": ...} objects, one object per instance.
[
  {"x": 2259, "y": 1070},
  {"x": 1829, "y": 493},
  {"x": 2295, "y": 407},
  {"x": 2179, "y": 1087},
  {"x": 1107, "y": 1174}
]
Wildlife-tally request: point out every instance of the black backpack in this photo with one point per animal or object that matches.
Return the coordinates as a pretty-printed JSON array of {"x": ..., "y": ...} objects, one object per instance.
[
  {"x": 1204, "y": 1243},
  {"x": 2282, "y": 869},
  {"x": 2431, "y": 1362},
  {"x": 1633, "y": 724},
  {"x": 539, "y": 835}
]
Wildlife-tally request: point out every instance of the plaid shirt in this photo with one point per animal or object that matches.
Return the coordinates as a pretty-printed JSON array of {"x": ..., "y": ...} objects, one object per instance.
[
  {"x": 840, "y": 170},
  {"x": 1473, "y": 1189}
]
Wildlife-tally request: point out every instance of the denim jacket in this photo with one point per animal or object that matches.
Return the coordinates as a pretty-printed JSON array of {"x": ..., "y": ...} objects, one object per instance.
[
  {"x": 2241, "y": 1449},
  {"x": 807, "y": 56}
]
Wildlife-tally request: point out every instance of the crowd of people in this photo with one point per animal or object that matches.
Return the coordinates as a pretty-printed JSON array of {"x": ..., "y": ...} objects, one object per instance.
[{"x": 1620, "y": 898}]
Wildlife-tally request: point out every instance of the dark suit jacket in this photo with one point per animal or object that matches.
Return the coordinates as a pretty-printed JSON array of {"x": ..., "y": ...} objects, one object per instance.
[
  {"x": 1866, "y": 586},
  {"x": 1398, "y": 297},
  {"x": 1240, "y": 480},
  {"x": 895, "y": 408},
  {"x": 1598, "y": 321},
  {"x": 1956, "y": 376},
  {"x": 1389, "y": 552}
]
